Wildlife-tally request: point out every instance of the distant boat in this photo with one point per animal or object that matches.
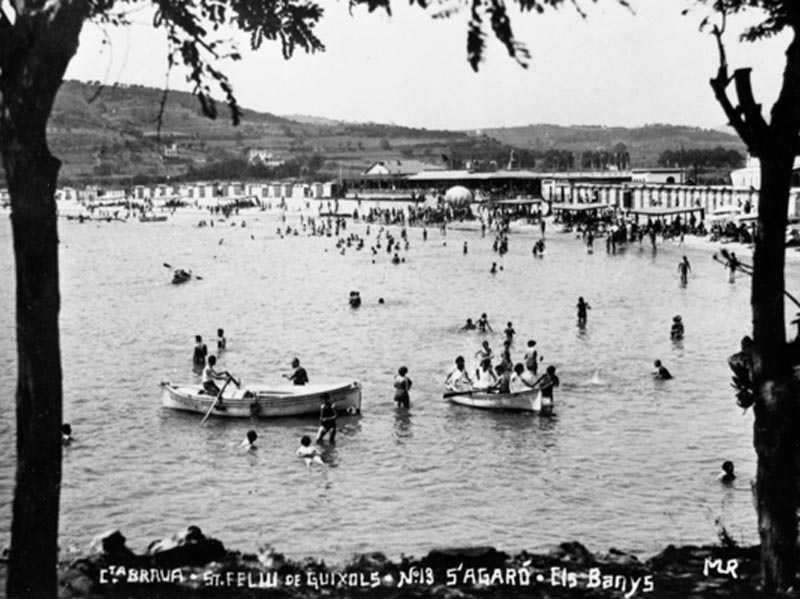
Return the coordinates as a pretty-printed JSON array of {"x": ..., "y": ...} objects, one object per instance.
[
  {"x": 152, "y": 218},
  {"x": 181, "y": 276},
  {"x": 264, "y": 401}
]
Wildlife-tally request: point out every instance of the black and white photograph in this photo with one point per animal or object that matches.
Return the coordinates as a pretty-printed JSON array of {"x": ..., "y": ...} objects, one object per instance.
[{"x": 456, "y": 299}]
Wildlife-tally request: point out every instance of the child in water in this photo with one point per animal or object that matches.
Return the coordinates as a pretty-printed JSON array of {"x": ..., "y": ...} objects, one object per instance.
[
  {"x": 309, "y": 453},
  {"x": 727, "y": 476},
  {"x": 250, "y": 441},
  {"x": 676, "y": 332}
]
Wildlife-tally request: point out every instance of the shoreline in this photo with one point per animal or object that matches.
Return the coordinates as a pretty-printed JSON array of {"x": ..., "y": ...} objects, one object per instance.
[{"x": 192, "y": 565}]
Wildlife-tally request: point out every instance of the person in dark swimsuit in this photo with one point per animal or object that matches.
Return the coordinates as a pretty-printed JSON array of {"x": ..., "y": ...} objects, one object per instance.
[
  {"x": 402, "y": 384},
  {"x": 583, "y": 306},
  {"x": 200, "y": 351},
  {"x": 327, "y": 419},
  {"x": 547, "y": 383}
]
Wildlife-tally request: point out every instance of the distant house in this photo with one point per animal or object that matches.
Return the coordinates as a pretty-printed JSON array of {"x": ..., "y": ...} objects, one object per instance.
[
  {"x": 658, "y": 176},
  {"x": 171, "y": 151},
  {"x": 400, "y": 168},
  {"x": 265, "y": 157},
  {"x": 749, "y": 177}
]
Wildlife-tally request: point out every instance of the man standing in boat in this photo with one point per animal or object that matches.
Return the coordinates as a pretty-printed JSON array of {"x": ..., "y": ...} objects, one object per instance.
[{"x": 299, "y": 375}]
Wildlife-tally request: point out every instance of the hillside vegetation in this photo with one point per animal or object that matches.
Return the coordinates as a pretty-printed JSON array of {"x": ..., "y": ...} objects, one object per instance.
[{"x": 105, "y": 134}]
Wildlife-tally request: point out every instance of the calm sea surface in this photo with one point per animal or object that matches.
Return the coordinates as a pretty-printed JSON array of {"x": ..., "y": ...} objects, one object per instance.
[{"x": 628, "y": 462}]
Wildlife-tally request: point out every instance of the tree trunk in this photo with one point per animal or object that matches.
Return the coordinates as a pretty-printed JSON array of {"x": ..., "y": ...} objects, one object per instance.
[
  {"x": 34, "y": 55},
  {"x": 775, "y": 429},
  {"x": 34, "y": 532}
]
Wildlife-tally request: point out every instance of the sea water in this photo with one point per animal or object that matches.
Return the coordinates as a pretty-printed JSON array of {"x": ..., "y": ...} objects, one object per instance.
[{"x": 629, "y": 463}]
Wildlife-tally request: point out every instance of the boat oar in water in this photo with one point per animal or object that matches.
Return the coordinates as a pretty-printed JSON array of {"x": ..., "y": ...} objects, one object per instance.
[
  {"x": 218, "y": 397},
  {"x": 748, "y": 270}
]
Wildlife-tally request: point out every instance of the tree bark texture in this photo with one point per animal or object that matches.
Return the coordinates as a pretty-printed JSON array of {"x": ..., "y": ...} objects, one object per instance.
[
  {"x": 35, "y": 52},
  {"x": 776, "y": 431}
]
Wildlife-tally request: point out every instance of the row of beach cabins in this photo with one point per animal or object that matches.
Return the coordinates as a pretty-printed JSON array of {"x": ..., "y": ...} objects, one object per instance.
[{"x": 518, "y": 187}]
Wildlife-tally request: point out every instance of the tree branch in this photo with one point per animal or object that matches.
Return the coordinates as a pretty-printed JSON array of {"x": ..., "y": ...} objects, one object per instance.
[{"x": 746, "y": 118}]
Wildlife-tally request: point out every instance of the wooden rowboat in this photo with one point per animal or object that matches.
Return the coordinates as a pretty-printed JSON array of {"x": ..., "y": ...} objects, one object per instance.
[
  {"x": 523, "y": 401},
  {"x": 263, "y": 401}
]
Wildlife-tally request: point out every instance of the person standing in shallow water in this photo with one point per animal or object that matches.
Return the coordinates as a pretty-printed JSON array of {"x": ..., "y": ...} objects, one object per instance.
[
  {"x": 327, "y": 419},
  {"x": 684, "y": 268},
  {"x": 582, "y": 306},
  {"x": 402, "y": 385},
  {"x": 483, "y": 323},
  {"x": 200, "y": 352}
]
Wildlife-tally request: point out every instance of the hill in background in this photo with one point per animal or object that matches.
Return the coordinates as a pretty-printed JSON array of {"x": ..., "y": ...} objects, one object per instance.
[{"x": 111, "y": 133}]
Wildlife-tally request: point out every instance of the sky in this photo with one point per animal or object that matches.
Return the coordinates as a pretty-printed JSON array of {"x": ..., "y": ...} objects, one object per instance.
[{"x": 616, "y": 67}]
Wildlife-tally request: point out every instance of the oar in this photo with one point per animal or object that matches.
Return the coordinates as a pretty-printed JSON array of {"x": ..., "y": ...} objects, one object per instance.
[
  {"x": 216, "y": 399},
  {"x": 747, "y": 272},
  {"x": 727, "y": 256},
  {"x": 455, "y": 393}
]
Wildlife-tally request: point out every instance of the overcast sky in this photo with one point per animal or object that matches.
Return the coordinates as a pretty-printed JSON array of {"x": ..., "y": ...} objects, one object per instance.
[{"x": 616, "y": 67}]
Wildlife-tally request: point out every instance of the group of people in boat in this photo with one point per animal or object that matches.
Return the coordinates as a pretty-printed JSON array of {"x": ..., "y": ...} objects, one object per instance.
[{"x": 503, "y": 378}]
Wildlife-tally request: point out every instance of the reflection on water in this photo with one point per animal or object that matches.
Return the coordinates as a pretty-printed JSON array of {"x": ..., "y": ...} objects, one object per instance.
[{"x": 620, "y": 448}]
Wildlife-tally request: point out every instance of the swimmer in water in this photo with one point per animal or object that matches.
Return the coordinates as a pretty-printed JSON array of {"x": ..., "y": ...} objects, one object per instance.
[
  {"x": 727, "y": 476},
  {"x": 222, "y": 343},
  {"x": 309, "y": 453},
  {"x": 250, "y": 441},
  {"x": 470, "y": 326},
  {"x": 661, "y": 372},
  {"x": 66, "y": 434},
  {"x": 483, "y": 323}
]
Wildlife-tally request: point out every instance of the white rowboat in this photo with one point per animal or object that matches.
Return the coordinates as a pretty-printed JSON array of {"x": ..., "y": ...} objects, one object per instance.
[
  {"x": 262, "y": 401},
  {"x": 523, "y": 401}
]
